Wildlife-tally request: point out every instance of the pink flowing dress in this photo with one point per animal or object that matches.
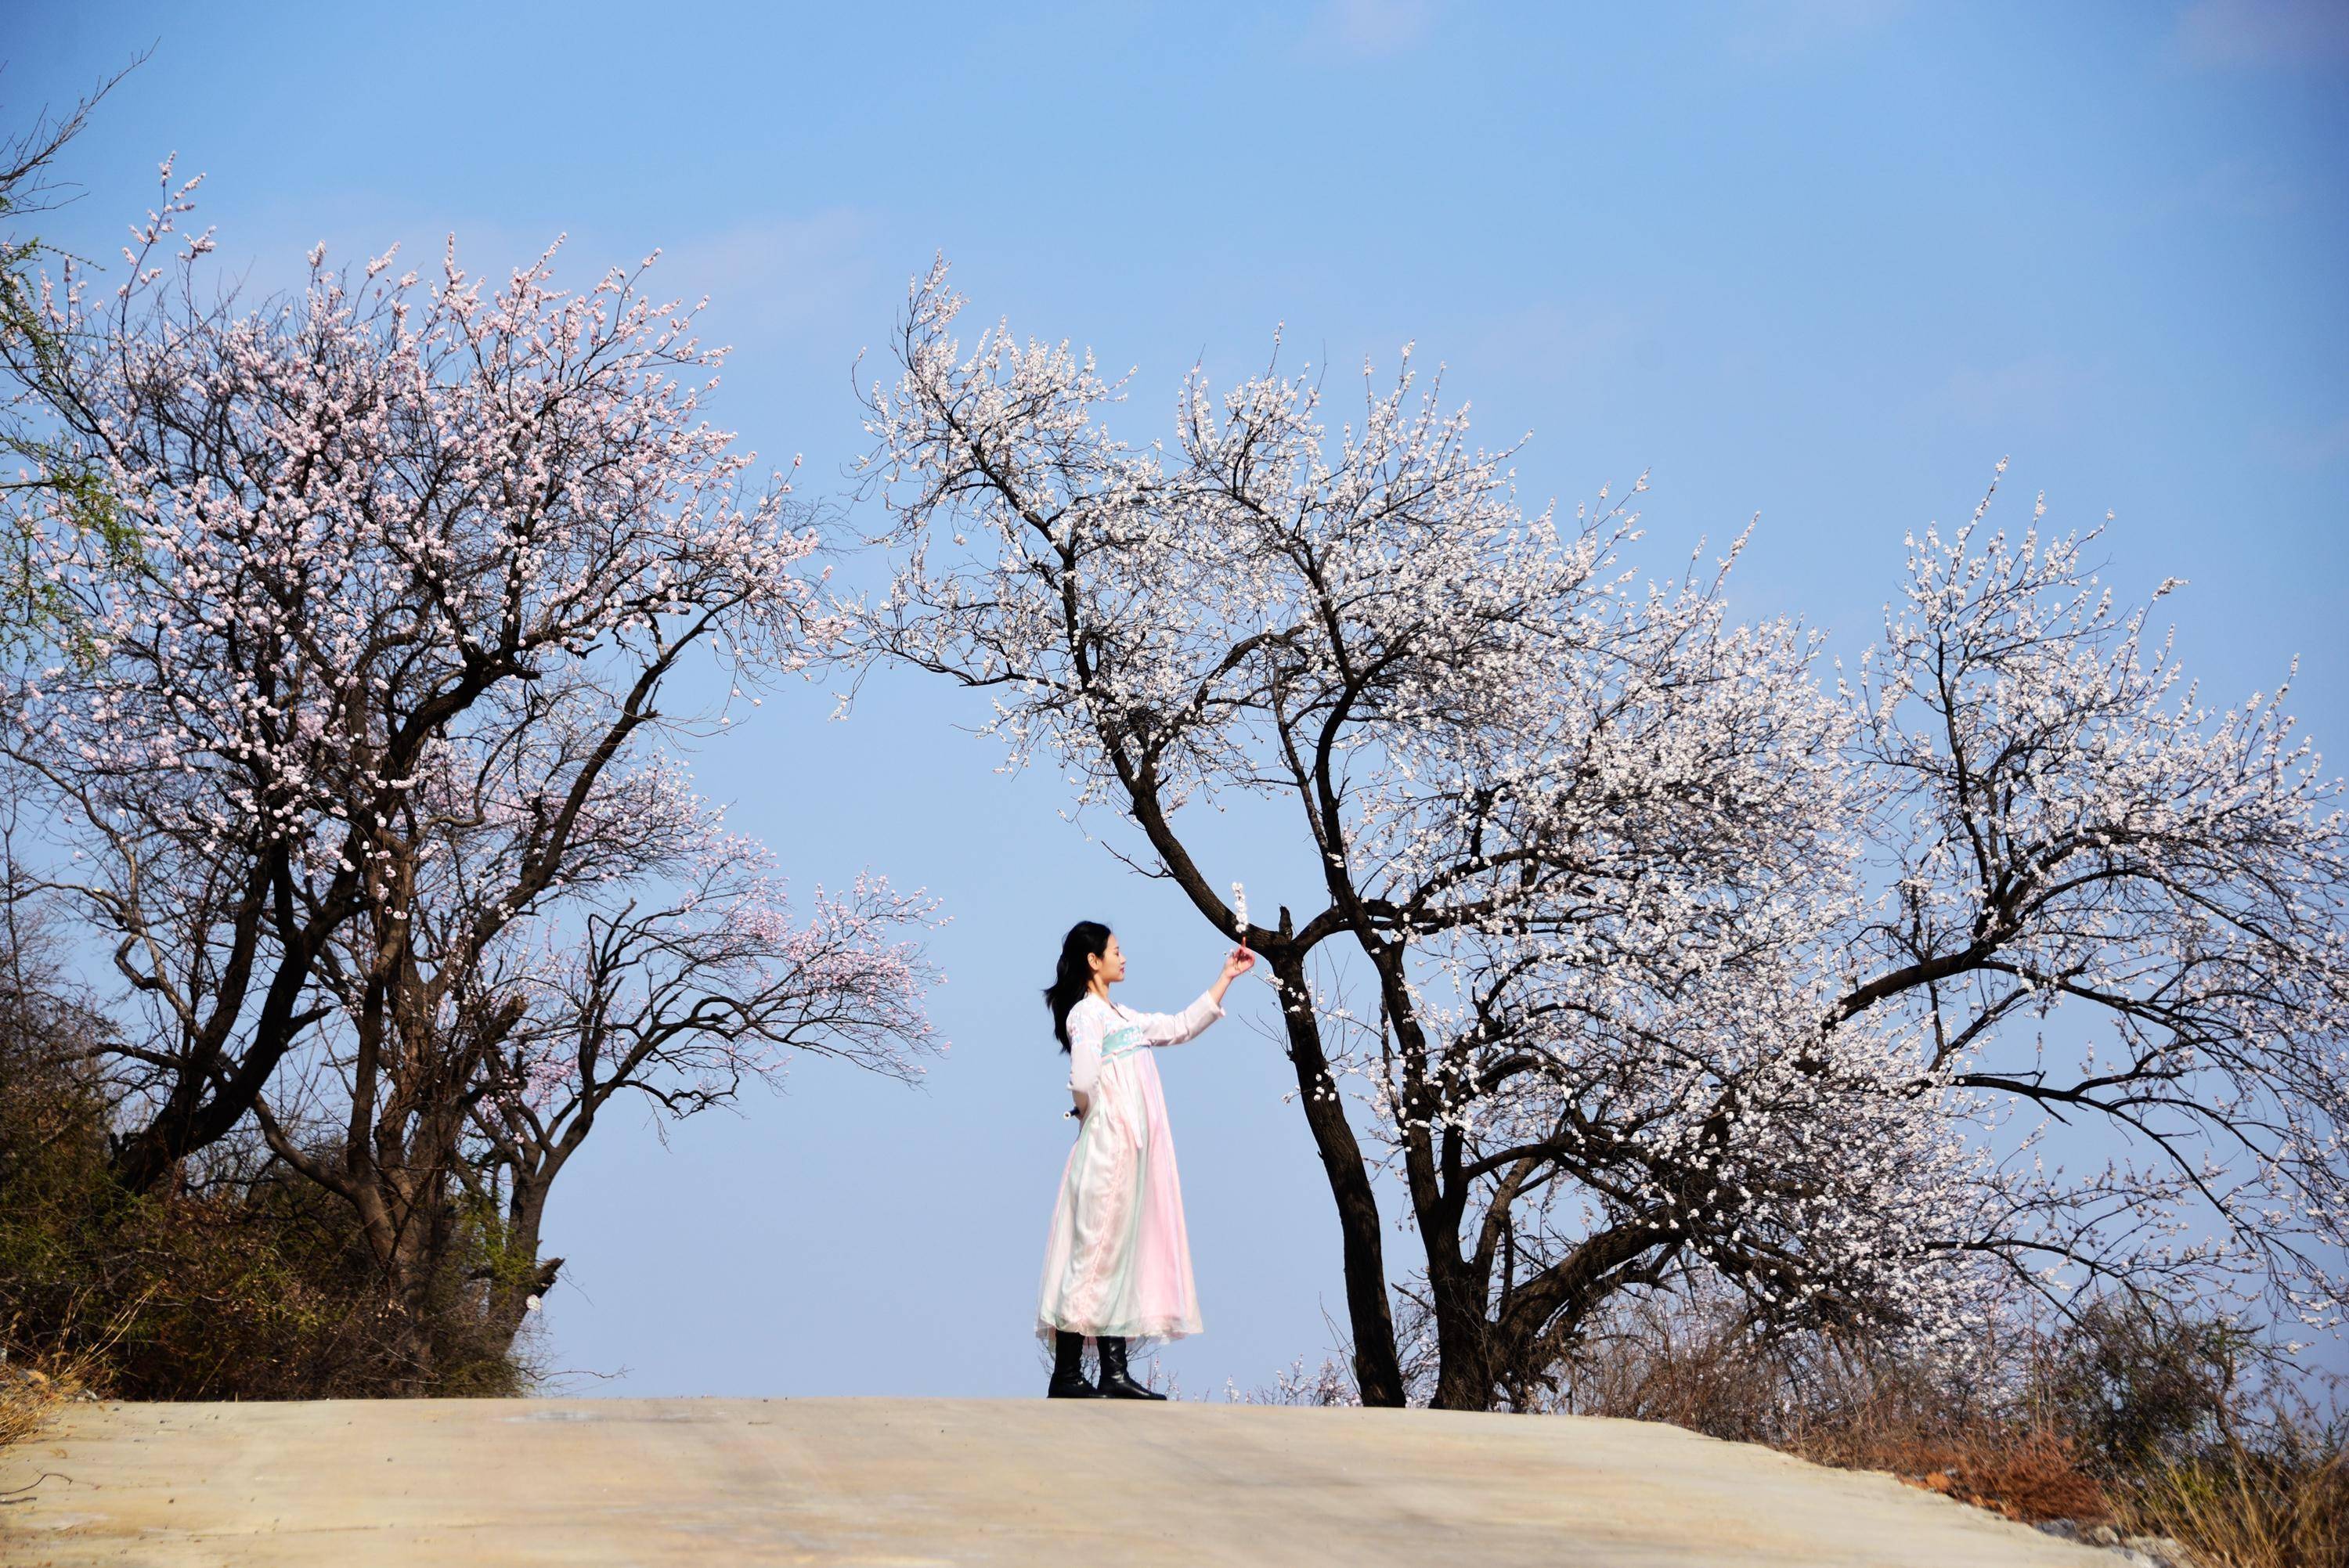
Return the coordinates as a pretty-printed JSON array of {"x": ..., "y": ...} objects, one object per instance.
[{"x": 1118, "y": 1261}]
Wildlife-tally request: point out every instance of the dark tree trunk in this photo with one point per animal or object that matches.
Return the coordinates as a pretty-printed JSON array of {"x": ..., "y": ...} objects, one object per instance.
[
  {"x": 1378, "y": 1373},
  {"x": 1464, "y": 1336}
]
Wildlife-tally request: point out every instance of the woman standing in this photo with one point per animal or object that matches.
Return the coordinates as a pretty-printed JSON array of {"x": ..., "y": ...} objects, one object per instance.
[{"x": 1118, "y": 1263}]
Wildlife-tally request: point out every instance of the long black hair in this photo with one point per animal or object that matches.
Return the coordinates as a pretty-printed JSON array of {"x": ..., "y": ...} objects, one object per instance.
[{"x": 1086, "y": 939}]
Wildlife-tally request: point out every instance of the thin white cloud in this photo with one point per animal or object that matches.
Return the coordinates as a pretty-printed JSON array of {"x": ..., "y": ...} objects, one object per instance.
[
  {"x": 1560, "y": 340},
  {"x": 1374, "y": 28},
  {"x": 1772, "y": 29},
  {"x": 776, "y": 276},
  {"x": 2221, "y": 34},
  {"x": 2035, "y": 392},
  {"x": 2309, "y": 451},
  {"x": 2236, "y": 188}
]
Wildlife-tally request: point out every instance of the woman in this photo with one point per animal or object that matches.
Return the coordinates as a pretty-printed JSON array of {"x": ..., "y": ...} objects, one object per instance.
[{"x": 1118, "y": 1263}]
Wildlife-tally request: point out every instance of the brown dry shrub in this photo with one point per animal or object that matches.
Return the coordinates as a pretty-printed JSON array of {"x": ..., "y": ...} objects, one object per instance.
[
  {"x": 33, "y": 1389},
  {"x": 1947, "y": 1428},
  {"x": 2023, "y": 1473},
  {"x": 2157, "y": 1420},
  {"x": 240, "y": 1285},
  {"x": 27, "y": 1396},
  {"x": 2287, "y": 1509}
]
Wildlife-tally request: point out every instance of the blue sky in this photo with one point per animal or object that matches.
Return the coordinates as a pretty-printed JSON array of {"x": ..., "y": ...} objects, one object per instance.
[{"x": 1827, "y": 262}]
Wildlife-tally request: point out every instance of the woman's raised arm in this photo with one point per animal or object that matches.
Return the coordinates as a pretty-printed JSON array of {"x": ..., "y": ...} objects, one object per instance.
[{"x": 1173, "y": 1028}]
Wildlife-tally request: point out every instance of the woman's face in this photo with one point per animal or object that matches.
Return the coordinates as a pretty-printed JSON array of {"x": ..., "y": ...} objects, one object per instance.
[{"x": 1109, "y": 963}]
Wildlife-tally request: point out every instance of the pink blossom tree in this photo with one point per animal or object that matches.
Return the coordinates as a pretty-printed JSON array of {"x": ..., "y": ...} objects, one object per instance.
[
  {"x": 358, "y": 743},
  {"x": 1644, "y": 1013},
  {"x": 28, "y": 187}
]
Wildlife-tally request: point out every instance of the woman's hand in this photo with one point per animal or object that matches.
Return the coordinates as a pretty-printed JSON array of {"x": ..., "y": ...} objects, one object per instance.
[{"x": 1236, "y": 962}]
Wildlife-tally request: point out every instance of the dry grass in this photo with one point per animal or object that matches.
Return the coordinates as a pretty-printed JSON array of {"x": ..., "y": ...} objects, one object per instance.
[
  {"x": 1696, "y": 1369},
  {"x": 26, "y": 1401},
  {"x": 2147, "y": 1427},
  {"x": 31, "y": 1393},
  {"x": 2247, "y": 1511}
]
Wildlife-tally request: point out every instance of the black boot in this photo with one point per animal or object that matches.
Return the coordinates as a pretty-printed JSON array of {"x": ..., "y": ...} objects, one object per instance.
[
  {"x": 1067, "y": 1368},
  {"x": 1115, "y": 1382}
]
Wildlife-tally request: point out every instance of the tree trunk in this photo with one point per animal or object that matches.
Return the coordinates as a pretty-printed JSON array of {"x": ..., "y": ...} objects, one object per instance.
[
  {"x": 1378, "y": 1373},
  {"x": 513, "y": 1284},
  {"x": 1463, "y": 1335}
]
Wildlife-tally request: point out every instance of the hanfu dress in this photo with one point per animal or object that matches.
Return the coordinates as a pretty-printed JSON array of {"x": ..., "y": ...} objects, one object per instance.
[{"x": 1118, "y": 1261}]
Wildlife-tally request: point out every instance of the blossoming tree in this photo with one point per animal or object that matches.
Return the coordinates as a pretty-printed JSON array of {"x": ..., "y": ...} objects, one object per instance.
[
  {"x": 2106, "y": 903},
  {"x": 1640, "y": 1011},
  {"x": 27, "y": 188},
  {"x": 358, "y": 743}
]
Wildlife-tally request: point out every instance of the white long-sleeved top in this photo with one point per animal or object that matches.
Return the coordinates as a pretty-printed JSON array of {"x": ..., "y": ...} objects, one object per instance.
[{"x": 1096, "y": 1025}]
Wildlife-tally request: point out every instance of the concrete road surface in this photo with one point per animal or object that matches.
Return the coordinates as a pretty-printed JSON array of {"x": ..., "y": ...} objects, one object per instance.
[{"x": 729, "y": 1483}]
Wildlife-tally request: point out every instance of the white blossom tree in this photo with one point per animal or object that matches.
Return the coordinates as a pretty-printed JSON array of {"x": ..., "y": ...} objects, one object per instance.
[
  {"x": 355, "y": 733},
  {"x": 478, "y": 1049},
  {"x": 1638, "y": 1014},
  {"x": 2108, "y": 905}
]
